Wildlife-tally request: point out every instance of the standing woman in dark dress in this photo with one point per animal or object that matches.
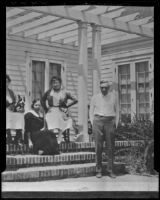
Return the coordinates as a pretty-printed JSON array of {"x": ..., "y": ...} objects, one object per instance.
[{"x": 42, "y": 141}]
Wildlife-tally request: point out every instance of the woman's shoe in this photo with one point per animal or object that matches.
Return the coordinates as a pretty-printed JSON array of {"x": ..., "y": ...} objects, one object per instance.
[
  {"x": 99, "y": 175},
  {"x": 111, "y": 175},
  {"x": 40, "y": 152}
]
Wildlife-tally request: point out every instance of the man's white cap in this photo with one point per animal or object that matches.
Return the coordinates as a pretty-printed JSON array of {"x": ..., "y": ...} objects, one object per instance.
[{"x": 105, "y": 83}]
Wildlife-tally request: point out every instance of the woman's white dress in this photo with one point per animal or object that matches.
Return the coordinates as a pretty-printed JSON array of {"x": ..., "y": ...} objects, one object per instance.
[
  {"x": 55, "y": 118},
  {"x": 14, "y": 120}
]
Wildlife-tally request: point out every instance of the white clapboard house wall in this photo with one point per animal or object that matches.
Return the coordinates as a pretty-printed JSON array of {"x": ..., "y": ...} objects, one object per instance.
[
  {"x": 129, "y": 53},
  {"x": 62, "y": 35},
  {"x": 20, "y": 53}
]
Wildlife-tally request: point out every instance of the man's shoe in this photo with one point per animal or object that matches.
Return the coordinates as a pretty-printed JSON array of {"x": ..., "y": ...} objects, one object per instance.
[
  {"x": 112, "y": 175},
  {"x": 99, "y": 175}
]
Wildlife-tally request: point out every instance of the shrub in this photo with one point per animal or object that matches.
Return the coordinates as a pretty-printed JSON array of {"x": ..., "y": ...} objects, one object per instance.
[{"x": 139, "y": 159}]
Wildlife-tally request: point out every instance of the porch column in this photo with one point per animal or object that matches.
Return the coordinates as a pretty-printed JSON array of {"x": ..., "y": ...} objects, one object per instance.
[
  {"x": 133, "y": 90},
  {"x": 96, "y": 55},
  {"x": 82, "y": 81},
  {"x": 28, "y": 83},
  {"x": 151, "y": 87}
]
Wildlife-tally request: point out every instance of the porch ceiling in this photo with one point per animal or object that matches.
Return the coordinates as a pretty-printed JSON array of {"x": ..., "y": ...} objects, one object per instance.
[{"x": 59, "y": 23}]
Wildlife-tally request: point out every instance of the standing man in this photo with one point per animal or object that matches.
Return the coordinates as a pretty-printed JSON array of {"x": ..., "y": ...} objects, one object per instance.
[{"x": 104, "y": 116}]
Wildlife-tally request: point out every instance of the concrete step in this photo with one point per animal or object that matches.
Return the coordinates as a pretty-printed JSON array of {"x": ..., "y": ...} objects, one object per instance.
[
  {"x": 55, "y": 172},
  {"x": 14, "y": 162},
  {"x": 72, "y": 146}
]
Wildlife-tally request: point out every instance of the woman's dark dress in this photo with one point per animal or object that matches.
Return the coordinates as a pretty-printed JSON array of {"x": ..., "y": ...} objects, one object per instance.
[{"x": 42, "y": 140}]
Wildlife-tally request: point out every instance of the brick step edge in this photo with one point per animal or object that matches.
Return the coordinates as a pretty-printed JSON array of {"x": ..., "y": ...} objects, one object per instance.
[
  {"x": 72, "y": 146},
  {"x": 55, "y": 172},
  {"x": 17, "y": 161}
]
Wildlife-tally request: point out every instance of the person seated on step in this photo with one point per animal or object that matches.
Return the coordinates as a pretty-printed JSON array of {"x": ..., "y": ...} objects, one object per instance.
[
  {"x": 14, "y": 119},
  {"x": 55, "y": 103},
  {"x": 36, "y": 135}
]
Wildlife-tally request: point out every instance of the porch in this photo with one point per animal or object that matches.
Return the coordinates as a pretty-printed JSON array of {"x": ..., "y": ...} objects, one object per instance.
[{"x": 86, "y": 32}]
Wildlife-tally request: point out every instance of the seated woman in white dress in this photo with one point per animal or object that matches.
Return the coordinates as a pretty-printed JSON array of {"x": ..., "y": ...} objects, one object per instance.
[
  {"x": 14, "y": 119},
  {"x": 10, "y": 102},
  {"x": 55, "y": 104}
]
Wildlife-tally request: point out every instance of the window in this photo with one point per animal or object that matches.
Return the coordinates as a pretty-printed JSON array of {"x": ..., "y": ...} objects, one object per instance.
[
  {"x": 38, "y": 71},
  {"x": 54, "y": 70},
  {"x": 140, "y": 92},
  {"x": 142, "y": 79},
  {"x": 38, "y": 76},
  {"x": 124, "y": 91}
]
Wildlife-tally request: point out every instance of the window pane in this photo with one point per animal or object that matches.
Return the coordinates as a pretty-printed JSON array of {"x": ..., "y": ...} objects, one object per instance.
[
  {"x": 54, "y": 70},
  {"x": 38, "y": 71},
  {"x": 124, "y": 91},
  {"x": 142, "y": 78}
]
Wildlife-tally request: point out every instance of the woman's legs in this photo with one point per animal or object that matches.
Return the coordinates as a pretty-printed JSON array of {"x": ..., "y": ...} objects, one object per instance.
[
  {"x": 8, "y": 136},
  {"x": 46, "y": 144},
  {"x": 58, "y": 133},
  {"x": 66, "y": 135}
]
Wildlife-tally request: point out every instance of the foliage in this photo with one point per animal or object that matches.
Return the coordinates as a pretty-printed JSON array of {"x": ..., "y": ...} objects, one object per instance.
[
  {"x": 138, "y": 158},
  {"x": 20, "y": 104}
]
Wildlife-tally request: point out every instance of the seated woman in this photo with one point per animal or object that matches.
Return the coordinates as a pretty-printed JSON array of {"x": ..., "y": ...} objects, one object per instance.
[
  {"x": 10, "y": 101},
  {"x": 14, "y": 115},
  {"x": 44, "y": 142}
]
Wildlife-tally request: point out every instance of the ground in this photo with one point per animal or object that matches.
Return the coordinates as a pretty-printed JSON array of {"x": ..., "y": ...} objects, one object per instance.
[{"x": 121, "y": 183}]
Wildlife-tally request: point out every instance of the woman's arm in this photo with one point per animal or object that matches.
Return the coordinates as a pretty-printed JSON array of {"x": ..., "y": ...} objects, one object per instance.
[
  {"x": 12, "y": 96},
  {"x": 73, "y": 98},
  {"x": 43, "y": 101},
  {"x": 29, "y": 140},
  {"x": 11, "y": 105}
]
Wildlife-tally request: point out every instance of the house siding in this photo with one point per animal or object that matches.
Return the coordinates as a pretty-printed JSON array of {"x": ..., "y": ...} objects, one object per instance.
[
  {"x": 127, "y": 53},
  {"x": 17, "y": 50},
  {"x": 123, "y": 52}
]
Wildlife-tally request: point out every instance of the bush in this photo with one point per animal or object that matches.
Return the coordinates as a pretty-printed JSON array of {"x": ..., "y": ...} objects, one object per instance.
[{"x": 139, "y": 159}]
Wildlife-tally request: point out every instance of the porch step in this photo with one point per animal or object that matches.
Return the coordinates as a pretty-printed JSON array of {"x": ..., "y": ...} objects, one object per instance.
[
  {"x": 72, "y": 146},
  {"x": 54, "y": 172},
  {"x": 18, "y": 161}
]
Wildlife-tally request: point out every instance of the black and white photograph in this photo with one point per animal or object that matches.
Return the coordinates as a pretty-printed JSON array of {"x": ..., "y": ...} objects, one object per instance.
[{"x": 80, "y": 99}]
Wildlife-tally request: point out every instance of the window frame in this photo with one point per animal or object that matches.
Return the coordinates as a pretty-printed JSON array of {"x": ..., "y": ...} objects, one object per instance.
[
  {"x": 132, "y": 63},
  {"x": 29, "y": 61},
  {"x": 118, "y": 65},
  {"x": 138, "y": 113}
]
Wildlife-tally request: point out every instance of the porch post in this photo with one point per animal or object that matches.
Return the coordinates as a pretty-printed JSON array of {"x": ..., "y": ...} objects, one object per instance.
[
  {"x": 82, "y": 81},
  {"x": 151, "y": 87},
  {"x": 28, "y": 83},
  {"x": 46, "y": 85},
  {"x": 133, "y": 90},
  {"x": 96, "y": 55}
]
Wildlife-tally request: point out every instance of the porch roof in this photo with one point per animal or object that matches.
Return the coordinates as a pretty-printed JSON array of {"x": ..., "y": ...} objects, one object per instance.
[{"x": 59, "y": 23}]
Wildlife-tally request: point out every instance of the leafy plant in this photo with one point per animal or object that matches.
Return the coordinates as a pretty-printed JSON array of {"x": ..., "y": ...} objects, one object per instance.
[{"x": 139, "y": 158}]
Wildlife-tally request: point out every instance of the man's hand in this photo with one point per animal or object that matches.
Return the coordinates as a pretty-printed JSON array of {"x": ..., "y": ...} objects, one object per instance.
[
  {"x": 89, "y": 128},
  {"x": 30, "y": 144}
]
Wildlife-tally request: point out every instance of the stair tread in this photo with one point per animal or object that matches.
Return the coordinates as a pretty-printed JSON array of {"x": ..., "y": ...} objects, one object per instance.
[
  {"x": 62, "y": 154},
  {"x": 41, "y": 168},
  {"x": 29, "y": 169}
]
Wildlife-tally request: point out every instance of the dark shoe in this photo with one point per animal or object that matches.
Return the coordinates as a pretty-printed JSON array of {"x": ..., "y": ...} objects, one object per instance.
[
  {"x": 99, "y": 175},
  {"x": 111, "y": 175}
]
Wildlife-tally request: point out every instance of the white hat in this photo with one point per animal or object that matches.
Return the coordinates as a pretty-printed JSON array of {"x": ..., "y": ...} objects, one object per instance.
[{"x": 105, "y": 83}]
